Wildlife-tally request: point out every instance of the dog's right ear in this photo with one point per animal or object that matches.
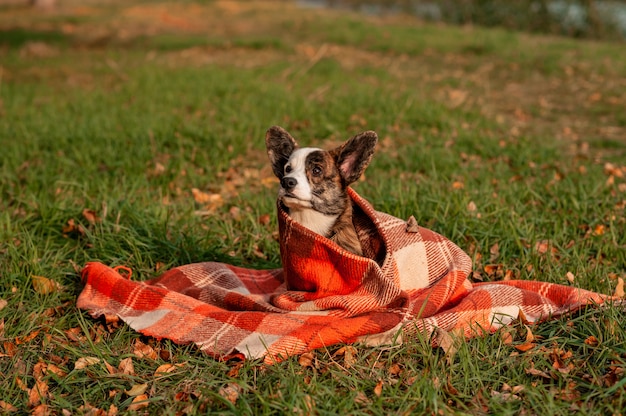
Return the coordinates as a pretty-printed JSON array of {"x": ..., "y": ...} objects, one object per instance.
[{"x": 280, "y": 145}]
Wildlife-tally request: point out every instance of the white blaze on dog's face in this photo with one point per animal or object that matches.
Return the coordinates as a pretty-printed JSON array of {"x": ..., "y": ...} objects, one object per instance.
[{"x": 300, "y": 195}]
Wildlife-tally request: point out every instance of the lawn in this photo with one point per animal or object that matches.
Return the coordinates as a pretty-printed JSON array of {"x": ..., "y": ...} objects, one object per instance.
[{"x": 133, "y": 134}]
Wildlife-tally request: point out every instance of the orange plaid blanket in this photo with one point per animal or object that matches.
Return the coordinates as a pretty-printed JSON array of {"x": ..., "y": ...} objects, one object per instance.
[{"x": 410, "y": 280}]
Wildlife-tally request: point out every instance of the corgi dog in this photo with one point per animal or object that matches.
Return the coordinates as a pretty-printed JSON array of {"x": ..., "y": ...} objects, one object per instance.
[{"x": 313, "y": 182}]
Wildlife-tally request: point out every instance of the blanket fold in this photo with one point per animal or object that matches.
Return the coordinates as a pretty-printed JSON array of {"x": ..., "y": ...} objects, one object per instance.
[{"x": 409, "y": 280}]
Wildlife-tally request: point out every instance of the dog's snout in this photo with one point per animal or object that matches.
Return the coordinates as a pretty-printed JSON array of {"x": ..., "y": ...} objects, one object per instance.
[{"x": 288, "y": 183}]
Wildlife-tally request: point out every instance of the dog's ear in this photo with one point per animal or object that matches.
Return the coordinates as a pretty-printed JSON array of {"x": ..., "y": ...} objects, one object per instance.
[
  {"x": 354, "y": 155},
  {"x": 280, "y": 145}
]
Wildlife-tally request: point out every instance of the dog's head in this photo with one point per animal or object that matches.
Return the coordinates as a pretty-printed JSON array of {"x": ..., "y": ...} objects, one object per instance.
[{"x": 312, "y": 178}]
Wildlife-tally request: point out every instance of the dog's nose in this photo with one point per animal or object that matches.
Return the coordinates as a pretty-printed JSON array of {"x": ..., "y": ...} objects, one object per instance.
[{"x": 288, "y": 183}]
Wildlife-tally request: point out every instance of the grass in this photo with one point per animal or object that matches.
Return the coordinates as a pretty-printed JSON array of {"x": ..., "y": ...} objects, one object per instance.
[{"x": 127, "y": 108}]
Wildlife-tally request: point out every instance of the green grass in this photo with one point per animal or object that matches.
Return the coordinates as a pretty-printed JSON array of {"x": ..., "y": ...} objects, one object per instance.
[{"x": 129, "y": 128}]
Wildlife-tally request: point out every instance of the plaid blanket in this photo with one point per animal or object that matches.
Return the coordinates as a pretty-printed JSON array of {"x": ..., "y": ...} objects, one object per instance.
[{"x": 411, "y": 280}]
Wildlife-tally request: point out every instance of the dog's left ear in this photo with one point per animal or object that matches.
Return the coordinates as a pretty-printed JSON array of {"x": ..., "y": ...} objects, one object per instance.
[{"x": 354, "y": 155}]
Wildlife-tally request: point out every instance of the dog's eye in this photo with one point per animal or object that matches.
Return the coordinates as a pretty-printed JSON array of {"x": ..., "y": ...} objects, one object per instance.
[
  {"x": 287, "y": 169},
  {"x": 317, "y": 171}
]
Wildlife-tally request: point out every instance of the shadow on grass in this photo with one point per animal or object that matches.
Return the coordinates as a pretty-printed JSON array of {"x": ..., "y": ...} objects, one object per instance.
[{"x": 15, "y": 38}]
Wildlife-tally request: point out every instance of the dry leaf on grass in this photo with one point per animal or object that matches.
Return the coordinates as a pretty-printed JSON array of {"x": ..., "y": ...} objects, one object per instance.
[
  {"x": 91, "y": 216},
  {"x": 126, "y": 366},
  {"x": 619, "y": 289},
  {"x": 306, "y": 359},
  {"x": 230, "y": 392},
  {"x": 448, "y": 343},
  {"x": 137, "y": 390},
  {"x": 378, "y": 389},
  {"x": 139, "y": 402},
  {"x": 142, "y": 350},
  {"x": 167, "y": 368},
  {"x": 7, "y": 407},
  {"x": 84, "y": 362},
  {"x": 45, "y": 286}
]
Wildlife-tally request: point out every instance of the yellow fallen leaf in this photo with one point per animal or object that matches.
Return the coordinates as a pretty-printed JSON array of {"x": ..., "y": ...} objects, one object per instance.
[
  {"x": 44, "y": 286},
  {"x": 85, "y": 362},
  {"x": 137, "y": 390},
  {"x": 3, "y": 304},
  {"x": 167, "y": 368}
]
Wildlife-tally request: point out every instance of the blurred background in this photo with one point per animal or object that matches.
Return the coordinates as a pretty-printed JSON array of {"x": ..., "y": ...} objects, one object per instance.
[{"x": 579, "y": 18}]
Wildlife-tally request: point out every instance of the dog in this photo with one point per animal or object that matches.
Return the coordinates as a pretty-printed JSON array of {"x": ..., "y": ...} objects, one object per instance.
[{"x": 313, "y": 182}]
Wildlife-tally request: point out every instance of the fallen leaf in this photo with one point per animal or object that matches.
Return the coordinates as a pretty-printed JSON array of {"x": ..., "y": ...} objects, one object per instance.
[
  {"x": 378, "y": 389},
  {"x": 530, "y": 337},
  {"x": 446, "y": 342},
  {"x": 592, "y": 341},
  {"x": 139, "y": 402},
  {"x": 110, "y": 368},
  {"x": 534, "y": 372},
  {"x": 494, "y": 250},
  {"x": 349, "y": 355},
  {"x": 411, "y": 225},
  {"x": 507, "y": 337},
  {"x": 44, "y": 286},
  {"x": 73, "y": 229},
  {"x": 3, "y": 304},
  {"x": 458, "y": 185},
  {"x": 112, "y": 410},
  {"x": 38, "y": 393},
  {"x": 521, "y": 316},
  {"x": 542, "y": 246},
  {"x": 509, "y": 275},
  {"x": 91, "y": 216},
  {"x": 230, "y": 392},
  {"x": 264, "y": 219},
  {"x": 395, "y": 369},
  {"x": 570, "y": 277},
  {"x": 619, "y": 289},
  {"x": 599, "y": 229},
  {"x": 137, "y": 390},
  {"x": 506, "y": 397},
  {"x": 306, "y": 359},
  {"x": 210, "y": 201},
  {"x": 525, "y": 346},
  {"x": 52, "y": 368},
  {"x": 7, "y": 407},
  {"x": 84, "y": 362},
  {"x": 41, "y": 410},
  {"x": 494, "y": 270},
  {"x": 168, "y": 368},
  {"x": 142, "y": 350},
  {"x": 362, "y": 399},
  {"x": 27, "y": 338},
  {"x": 10, "y": 348},
  {"x": 471, "y": 207},
  {"x": 126, "y": 366}
]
